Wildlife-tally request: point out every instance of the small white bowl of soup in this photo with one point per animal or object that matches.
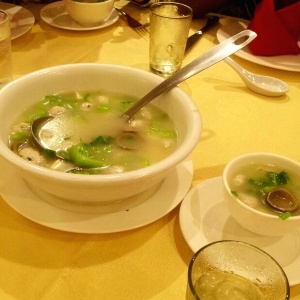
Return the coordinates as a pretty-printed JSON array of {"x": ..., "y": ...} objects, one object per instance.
[
  {"x": 251, "y": 180},
  {"x": 89, "y": 13},
  {"x": 103, "y": 92}
]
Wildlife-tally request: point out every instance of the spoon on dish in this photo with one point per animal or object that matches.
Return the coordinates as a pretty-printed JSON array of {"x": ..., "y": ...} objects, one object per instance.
[
  {"x": 264, "y": 85},
  {"x": 260, "y": 84},
  {"x": 211, "y": 57}
]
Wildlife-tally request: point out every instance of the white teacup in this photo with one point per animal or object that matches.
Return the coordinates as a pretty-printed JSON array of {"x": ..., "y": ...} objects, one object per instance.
[{"x": 89, "y": 13}]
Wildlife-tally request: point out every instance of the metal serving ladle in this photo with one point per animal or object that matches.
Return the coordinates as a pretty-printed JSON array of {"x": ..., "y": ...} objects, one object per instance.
[
  {"x": 206, "y": 60},
  {"x": 211, "y": 57}
]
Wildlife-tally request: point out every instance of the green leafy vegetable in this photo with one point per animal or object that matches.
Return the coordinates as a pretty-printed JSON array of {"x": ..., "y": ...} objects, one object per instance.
[
  {"x": 102, "y": 140},
  {"x": 126, "y": 104},
  {"x": 271, "y": 181},
  {"x": 157, "y": 126},
  {"x": 49, "y": 153},
  {"x": 20, "y": 136},
  {"x": 284, "y": 215},
  {"x": 81, "y": 156},
  {"x": 103, "y": 108},
  {"x": 234, "y": 193}
]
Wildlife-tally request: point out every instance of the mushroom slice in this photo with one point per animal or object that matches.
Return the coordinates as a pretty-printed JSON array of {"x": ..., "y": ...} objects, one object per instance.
[
  {"x": 129, "y": 140},
  {"x": 282, "y": 199}
]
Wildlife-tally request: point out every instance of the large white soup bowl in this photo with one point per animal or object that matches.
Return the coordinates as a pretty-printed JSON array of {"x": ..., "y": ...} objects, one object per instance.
[
  {"x": 252, "y": 219},
  {"x": 94, "y": 189}
]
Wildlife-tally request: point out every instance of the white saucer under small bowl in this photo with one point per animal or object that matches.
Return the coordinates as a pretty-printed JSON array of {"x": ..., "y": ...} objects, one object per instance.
[
  {"x": 282, "y": 62},
  {"x": 55, "y": 14},
  {"x": 53, "y": 213},
  {"x": 21, "y": 19},
  {"x": 205, "y": 218}
]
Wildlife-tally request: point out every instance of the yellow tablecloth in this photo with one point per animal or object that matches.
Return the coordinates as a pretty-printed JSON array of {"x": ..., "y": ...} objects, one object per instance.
[{"x": 150, "y": 262}]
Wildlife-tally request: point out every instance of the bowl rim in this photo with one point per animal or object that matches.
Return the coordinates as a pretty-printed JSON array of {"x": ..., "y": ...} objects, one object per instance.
[
  {"x": 255, "y": 155},
  {"x": 78, "y": 3},
  {"x": 194, "y": 136}
]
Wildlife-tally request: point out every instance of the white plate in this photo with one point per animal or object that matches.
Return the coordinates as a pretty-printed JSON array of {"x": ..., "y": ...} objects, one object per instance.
[
  {"x": 21, "y": 19},
  {"x": 204, "y": 218},
  {"x": 28, "y": 203},
  {"x": 282, "y": 62},
  {"x": 56, "y": 15}
]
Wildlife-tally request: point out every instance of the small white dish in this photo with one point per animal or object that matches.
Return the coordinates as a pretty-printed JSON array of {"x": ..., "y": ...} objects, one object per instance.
[
  {"x": 205, "y": 218},
  {"x": 55, "y": 14},
  {"x": 21, "y": 19},
  {"x": 282, "y": 62},
  {"x": 83, "y": 219}
]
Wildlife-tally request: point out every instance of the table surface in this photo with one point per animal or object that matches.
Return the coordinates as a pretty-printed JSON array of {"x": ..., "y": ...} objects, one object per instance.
[{"x": 149, "y": 262}]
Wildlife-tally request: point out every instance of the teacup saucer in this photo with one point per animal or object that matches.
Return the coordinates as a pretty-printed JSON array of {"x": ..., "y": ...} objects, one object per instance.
[
  {"x": 56, "y": 15},
  {"x": 33, "y": 206},
  {"x": 204, "y": 218}
]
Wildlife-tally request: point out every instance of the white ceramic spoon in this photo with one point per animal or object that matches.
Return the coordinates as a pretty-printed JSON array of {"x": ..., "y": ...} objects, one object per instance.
[{"x": 264, "y": 85}]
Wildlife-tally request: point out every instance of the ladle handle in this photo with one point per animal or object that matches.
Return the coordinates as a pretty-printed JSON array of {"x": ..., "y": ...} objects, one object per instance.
[{"x": 209, "y": 58}]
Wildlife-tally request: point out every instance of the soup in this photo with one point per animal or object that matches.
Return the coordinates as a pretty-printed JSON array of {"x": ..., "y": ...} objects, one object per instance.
[
  {"x": 252, "y": 183},
  {"x": 90, "y": 137}
]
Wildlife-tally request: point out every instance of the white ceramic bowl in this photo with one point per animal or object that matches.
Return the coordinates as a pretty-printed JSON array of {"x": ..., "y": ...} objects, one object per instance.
[
  {"x": 95, "y": 189},
  {"x": 250, "y": 218},
  {"x": 87, "y": 13}
]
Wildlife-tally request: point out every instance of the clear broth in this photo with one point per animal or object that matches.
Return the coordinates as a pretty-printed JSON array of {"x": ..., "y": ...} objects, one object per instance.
[{"x": 92, "y": 119}]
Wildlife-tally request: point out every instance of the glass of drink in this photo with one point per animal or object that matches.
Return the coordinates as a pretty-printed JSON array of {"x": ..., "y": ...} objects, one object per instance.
[
  {"x": 235, "y": 270},
  {"x": 5, "y": 49},
  {"x": 169, "y": 28}
]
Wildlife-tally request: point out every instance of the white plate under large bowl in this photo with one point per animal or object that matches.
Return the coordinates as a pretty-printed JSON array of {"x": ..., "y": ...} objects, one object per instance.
[
  {"x": 35, "y": 206},
  {"x": 282, "y": 62},
  {"x": 21, "y": 19},
  {"x": 55, "y": 14},
  {"x": 205, "y": 218}
]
